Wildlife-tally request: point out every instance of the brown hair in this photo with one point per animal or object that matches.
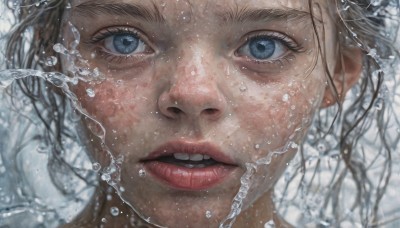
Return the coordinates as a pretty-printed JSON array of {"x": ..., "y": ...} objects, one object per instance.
[
  {"x": 339, "y": 133},
  {"x": 361, "y": 23}
]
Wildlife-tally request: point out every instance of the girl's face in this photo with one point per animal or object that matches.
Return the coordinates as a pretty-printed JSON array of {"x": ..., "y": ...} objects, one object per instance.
[{"x": 194, "y": 90}]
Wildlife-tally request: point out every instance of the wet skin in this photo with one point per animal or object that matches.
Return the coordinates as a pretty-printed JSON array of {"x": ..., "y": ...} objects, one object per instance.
[{"x": 193, "y": 78}]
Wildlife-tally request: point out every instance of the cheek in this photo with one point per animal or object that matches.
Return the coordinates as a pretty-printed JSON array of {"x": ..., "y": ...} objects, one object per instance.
[
  {"x": 274, "y": 114},
  {"x": 114, "y": 106},
  {"x": 273, "y": 117}
]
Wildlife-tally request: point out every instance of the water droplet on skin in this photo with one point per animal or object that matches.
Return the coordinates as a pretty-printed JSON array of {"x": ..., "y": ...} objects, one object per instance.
[
  {"x": 96, "y": 166},
  {"x": 228, "y": 72},
  {"x": 68, "y": 6},
  {"x": 257, "y": 146},
  {"x": 104, "y": 220},
  {"x": 285, "y": 98},
  {"x": 243, "y": 88},
  {"x": 142, "y": 173},
  {"x": 185, "y": 17},
  {"x": 114, "y": 211},
  {"x": 50, "y": 61},
  {"x": 208, "y": 214},
  {"x": 193, "y": 73},
  {"x": 90, "y": 92}
]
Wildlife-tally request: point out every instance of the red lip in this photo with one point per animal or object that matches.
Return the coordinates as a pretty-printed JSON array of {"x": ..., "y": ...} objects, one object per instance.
[{"x": 181, "y": 177}]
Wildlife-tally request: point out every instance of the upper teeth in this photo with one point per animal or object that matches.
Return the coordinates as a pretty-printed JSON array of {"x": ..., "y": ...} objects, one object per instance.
[{"x": 192, "y": 157}]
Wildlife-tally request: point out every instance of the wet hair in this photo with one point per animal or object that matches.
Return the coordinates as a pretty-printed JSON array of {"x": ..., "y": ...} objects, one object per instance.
[{"x": 338, "y": 133}]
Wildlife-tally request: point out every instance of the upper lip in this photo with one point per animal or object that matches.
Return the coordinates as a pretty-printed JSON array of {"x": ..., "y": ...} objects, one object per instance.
[{"x": 205, "y": 148}]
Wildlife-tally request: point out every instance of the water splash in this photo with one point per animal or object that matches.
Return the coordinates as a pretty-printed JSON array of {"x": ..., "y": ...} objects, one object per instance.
[
  {"x": 247, "y": 180},
  {"x": 236, "y": 207},
  {"x": 79, "y": 70}
]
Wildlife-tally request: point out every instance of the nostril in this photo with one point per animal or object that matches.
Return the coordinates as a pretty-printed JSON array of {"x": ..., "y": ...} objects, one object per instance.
[
  {"x": 174, "y": 110},
  {"x": 210, "y": 111}
]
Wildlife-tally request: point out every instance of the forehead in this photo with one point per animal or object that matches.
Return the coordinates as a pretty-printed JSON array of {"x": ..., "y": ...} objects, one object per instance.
[
  {"x": 298, "y": 4},
  {"x": 168, "y": 8}
]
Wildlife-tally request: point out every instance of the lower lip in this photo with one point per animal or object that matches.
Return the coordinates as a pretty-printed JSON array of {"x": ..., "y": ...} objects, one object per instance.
[{"x": 189, "y": 178}]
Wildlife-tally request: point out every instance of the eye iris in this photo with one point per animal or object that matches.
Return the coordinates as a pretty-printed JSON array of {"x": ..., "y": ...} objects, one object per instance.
[
  {"x": 262, "y": 48},
  {"x": 125, "y": 43}
]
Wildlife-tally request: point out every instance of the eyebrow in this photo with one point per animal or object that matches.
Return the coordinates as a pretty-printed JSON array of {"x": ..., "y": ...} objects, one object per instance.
[
  {"x": 238, "y": 15},
  {"x": 242, "y": 15},
  {"x": 93, "y": 8}
]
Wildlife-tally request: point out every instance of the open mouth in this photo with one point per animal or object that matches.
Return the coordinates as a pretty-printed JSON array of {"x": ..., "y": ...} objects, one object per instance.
[
  {"x": 189, "y": 166},
  {"x": 189, "y": 160}
]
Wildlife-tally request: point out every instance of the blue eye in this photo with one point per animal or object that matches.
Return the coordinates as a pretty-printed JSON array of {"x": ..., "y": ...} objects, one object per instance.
[
  {"x": 125, "y": 43},
  {"x": 262, "y": 48},
  {"x": 266, "y": 47}
]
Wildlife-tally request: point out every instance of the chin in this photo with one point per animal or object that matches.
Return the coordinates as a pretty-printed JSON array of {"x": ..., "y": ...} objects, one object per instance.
[{"x": 188, "y": 210}]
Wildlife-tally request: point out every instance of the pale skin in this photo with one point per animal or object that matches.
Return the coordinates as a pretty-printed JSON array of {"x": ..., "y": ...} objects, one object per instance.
[{"x": 192, "y": 78}]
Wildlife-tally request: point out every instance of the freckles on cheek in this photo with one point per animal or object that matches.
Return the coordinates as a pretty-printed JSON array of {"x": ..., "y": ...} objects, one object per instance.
[
  {"x": 276, "y": 114},
  {"x": 102, "y": 104},
  {"x": 113, "y": 107}
]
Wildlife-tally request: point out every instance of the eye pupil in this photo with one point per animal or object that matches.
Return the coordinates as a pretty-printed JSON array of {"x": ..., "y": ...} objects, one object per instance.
[
  {"x": 125, "y": 43},
  {"x": 262, "y": 48}
]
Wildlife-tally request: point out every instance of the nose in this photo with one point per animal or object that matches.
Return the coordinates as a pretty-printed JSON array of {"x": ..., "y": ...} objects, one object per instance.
[{"x": 193, "y": 92}]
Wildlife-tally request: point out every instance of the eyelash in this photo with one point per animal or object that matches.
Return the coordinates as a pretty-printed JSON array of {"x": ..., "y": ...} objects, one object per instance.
[
  {"x": 108, "y": 32},
  {"x": 289, "y": 43},
  {"x": 112, "y": 31}
]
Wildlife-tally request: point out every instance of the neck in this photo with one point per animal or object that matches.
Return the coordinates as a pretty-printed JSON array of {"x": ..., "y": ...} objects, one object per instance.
[{"x": 107, "y": 209}]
